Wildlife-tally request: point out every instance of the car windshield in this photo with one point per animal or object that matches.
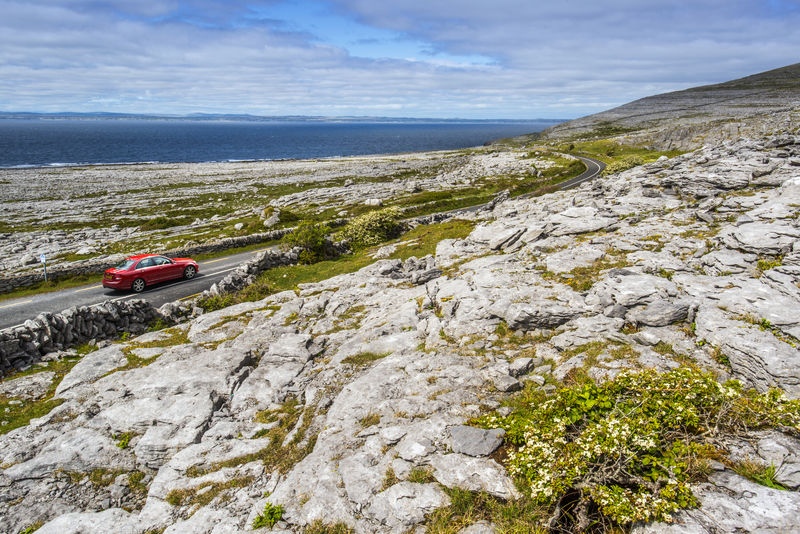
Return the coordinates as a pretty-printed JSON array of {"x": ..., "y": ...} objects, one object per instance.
[{"x": 125, "y": 265}]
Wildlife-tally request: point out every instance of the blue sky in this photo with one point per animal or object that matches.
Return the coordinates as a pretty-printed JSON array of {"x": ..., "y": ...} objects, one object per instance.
[{"x": 515, "y": 59}]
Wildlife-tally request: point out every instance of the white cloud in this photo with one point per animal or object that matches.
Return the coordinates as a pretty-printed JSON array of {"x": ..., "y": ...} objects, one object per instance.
[{"x": 506, "y": 58}]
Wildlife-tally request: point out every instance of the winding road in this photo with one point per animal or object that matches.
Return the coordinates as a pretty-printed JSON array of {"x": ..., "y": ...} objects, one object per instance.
[
  {"x": 14, "y": 312},
  {"x": 593, "y": 169}
]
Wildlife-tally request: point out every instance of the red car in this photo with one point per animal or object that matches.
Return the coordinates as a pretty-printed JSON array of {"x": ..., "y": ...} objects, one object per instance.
[{"x": 143, "y": 270}]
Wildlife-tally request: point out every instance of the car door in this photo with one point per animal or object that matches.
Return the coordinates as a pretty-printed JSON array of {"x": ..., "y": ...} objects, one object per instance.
[
  {"x": 165, "y": 269},
  {"x": 145, "y": 269}
]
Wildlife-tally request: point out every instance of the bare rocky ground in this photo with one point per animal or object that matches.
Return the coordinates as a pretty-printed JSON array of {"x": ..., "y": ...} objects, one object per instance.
[
  {"x": 75, "y": 215},
  {"x": 330, "y": 400},
  {"x": 753, "y": 106}
]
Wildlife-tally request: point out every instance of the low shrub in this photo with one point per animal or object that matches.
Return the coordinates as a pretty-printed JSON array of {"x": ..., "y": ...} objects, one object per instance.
[
  {"x": 373, "y": 228},
  {"x": 626, "y": 450},
  {"x": 312, "y": 238}
]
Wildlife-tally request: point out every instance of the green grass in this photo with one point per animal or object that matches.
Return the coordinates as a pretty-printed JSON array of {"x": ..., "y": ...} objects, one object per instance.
[
  {"x": 16, "y": 413},
  {"x": 516, "y": 516},
  {"x": 362, "y": 359},
  {"x": 281, "y": 455},
  {"x": 423, "y": 241},
  {"x": 612, "y": 152}
]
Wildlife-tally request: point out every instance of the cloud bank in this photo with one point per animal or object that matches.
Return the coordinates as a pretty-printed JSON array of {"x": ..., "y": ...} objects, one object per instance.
[{"x": 410, "y": 58}]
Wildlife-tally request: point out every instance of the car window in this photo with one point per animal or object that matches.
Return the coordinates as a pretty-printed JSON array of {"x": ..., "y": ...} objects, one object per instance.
[
  {"x": 125, "y": 265},
  {"x": 147, "y": 262},
  {"x": 161, "y": 260}
]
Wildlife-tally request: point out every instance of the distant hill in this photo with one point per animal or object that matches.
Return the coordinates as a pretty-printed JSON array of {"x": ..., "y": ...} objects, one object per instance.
[
  {"x": 67, "y": 115},
  {"x": 754, "y": 105}
]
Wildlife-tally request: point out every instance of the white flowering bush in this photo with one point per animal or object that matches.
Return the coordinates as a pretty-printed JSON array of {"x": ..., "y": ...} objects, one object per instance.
[
  {"x": 373, "y": 228},
  {"x": 626, "y": 450}
]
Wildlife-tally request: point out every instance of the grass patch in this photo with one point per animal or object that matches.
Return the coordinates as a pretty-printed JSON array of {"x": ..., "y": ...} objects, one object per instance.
[
  {"x": 283, "y": 452},
  {"x": 369, "y": 420},
  {"x": 421, "y": 475},
  {"x": 362, "y": 359},
  {"x": 765, "y": 264},
  {"x": 521, "y": 516},
  {"x": 205, "y": 492},
  {"x": 389, "y": 479},
  {"x": 16, "y": 413},
  {"x": 581, "y": 279},
  {"x": 758, "y": 472},
  {"x": 318, "y": 526},
  {"x": 613, "y": 153},
  {"x": 425, "y": 238}
]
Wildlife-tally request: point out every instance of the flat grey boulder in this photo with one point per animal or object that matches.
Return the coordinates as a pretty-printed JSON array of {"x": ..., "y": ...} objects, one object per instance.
[
  {"x": 91, "y": 367},
  {"x": 29, "y": 387},
  {"x": 756, "y": 356},
  {"x": 659, "y": 313},
  {"x": 474, "y": 474},
  {"x": 766, "y": 238},
  {"x": 87, "y": 522},
  {"x": 405, "y": 504},
  {"x": 475, "y": 441}
]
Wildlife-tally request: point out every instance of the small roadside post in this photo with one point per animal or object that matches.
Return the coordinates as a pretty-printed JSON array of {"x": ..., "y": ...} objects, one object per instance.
[{"x": 43, "y": 259}]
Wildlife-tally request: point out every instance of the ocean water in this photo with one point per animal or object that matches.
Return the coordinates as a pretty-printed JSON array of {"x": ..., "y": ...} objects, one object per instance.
[{"x": 44, "y": 142}]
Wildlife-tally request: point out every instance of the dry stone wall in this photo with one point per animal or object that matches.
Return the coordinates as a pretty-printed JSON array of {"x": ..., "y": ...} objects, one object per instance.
[{"x": 24, "y": 345}]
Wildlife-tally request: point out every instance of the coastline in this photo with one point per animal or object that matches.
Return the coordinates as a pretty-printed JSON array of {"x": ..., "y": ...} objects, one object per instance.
[
  {"x": 91, "y": 212},
  {"x": 75, "y": 142}
]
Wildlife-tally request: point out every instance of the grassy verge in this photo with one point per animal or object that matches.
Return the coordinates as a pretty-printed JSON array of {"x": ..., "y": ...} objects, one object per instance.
[
  {"x": 51, "y": 286},
  {"x": 419, "y": 242},
  {"x": 615, "y": 154}
]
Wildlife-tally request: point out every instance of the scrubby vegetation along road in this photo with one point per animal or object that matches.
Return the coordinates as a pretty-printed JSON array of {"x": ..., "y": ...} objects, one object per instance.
[{"x": 97, "y": 213}]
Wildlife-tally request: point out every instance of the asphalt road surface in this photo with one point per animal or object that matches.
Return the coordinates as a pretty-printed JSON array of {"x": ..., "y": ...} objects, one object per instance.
[
  {"x": 593, "y": 169},
  {"x": 14, "y": 312}
]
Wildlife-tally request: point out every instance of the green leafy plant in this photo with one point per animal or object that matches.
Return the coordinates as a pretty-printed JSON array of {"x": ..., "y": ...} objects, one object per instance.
[
  {"x": 758, "y": 472},
  {"x": 124, "y": 439},
  {"x": 272, "y": 514},
  {"x": 311, "y": 237},
  {"x": 373, "y": 228},
  {"x": 626, "y": 450}
]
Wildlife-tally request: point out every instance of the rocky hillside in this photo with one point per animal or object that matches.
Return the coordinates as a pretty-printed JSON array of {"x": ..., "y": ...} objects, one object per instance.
[
  {"x": 345, "y": 404},
  {"x": 762, "y": 104}
]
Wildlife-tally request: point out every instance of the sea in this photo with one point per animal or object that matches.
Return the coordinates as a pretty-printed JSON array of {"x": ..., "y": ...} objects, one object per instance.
[{"x": 37, "y": 142}]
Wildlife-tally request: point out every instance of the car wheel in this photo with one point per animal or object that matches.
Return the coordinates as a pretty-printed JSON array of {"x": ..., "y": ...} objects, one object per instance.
[
  {"x": 189, "y": 272},
  {"x": 138, "y": 285}
]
